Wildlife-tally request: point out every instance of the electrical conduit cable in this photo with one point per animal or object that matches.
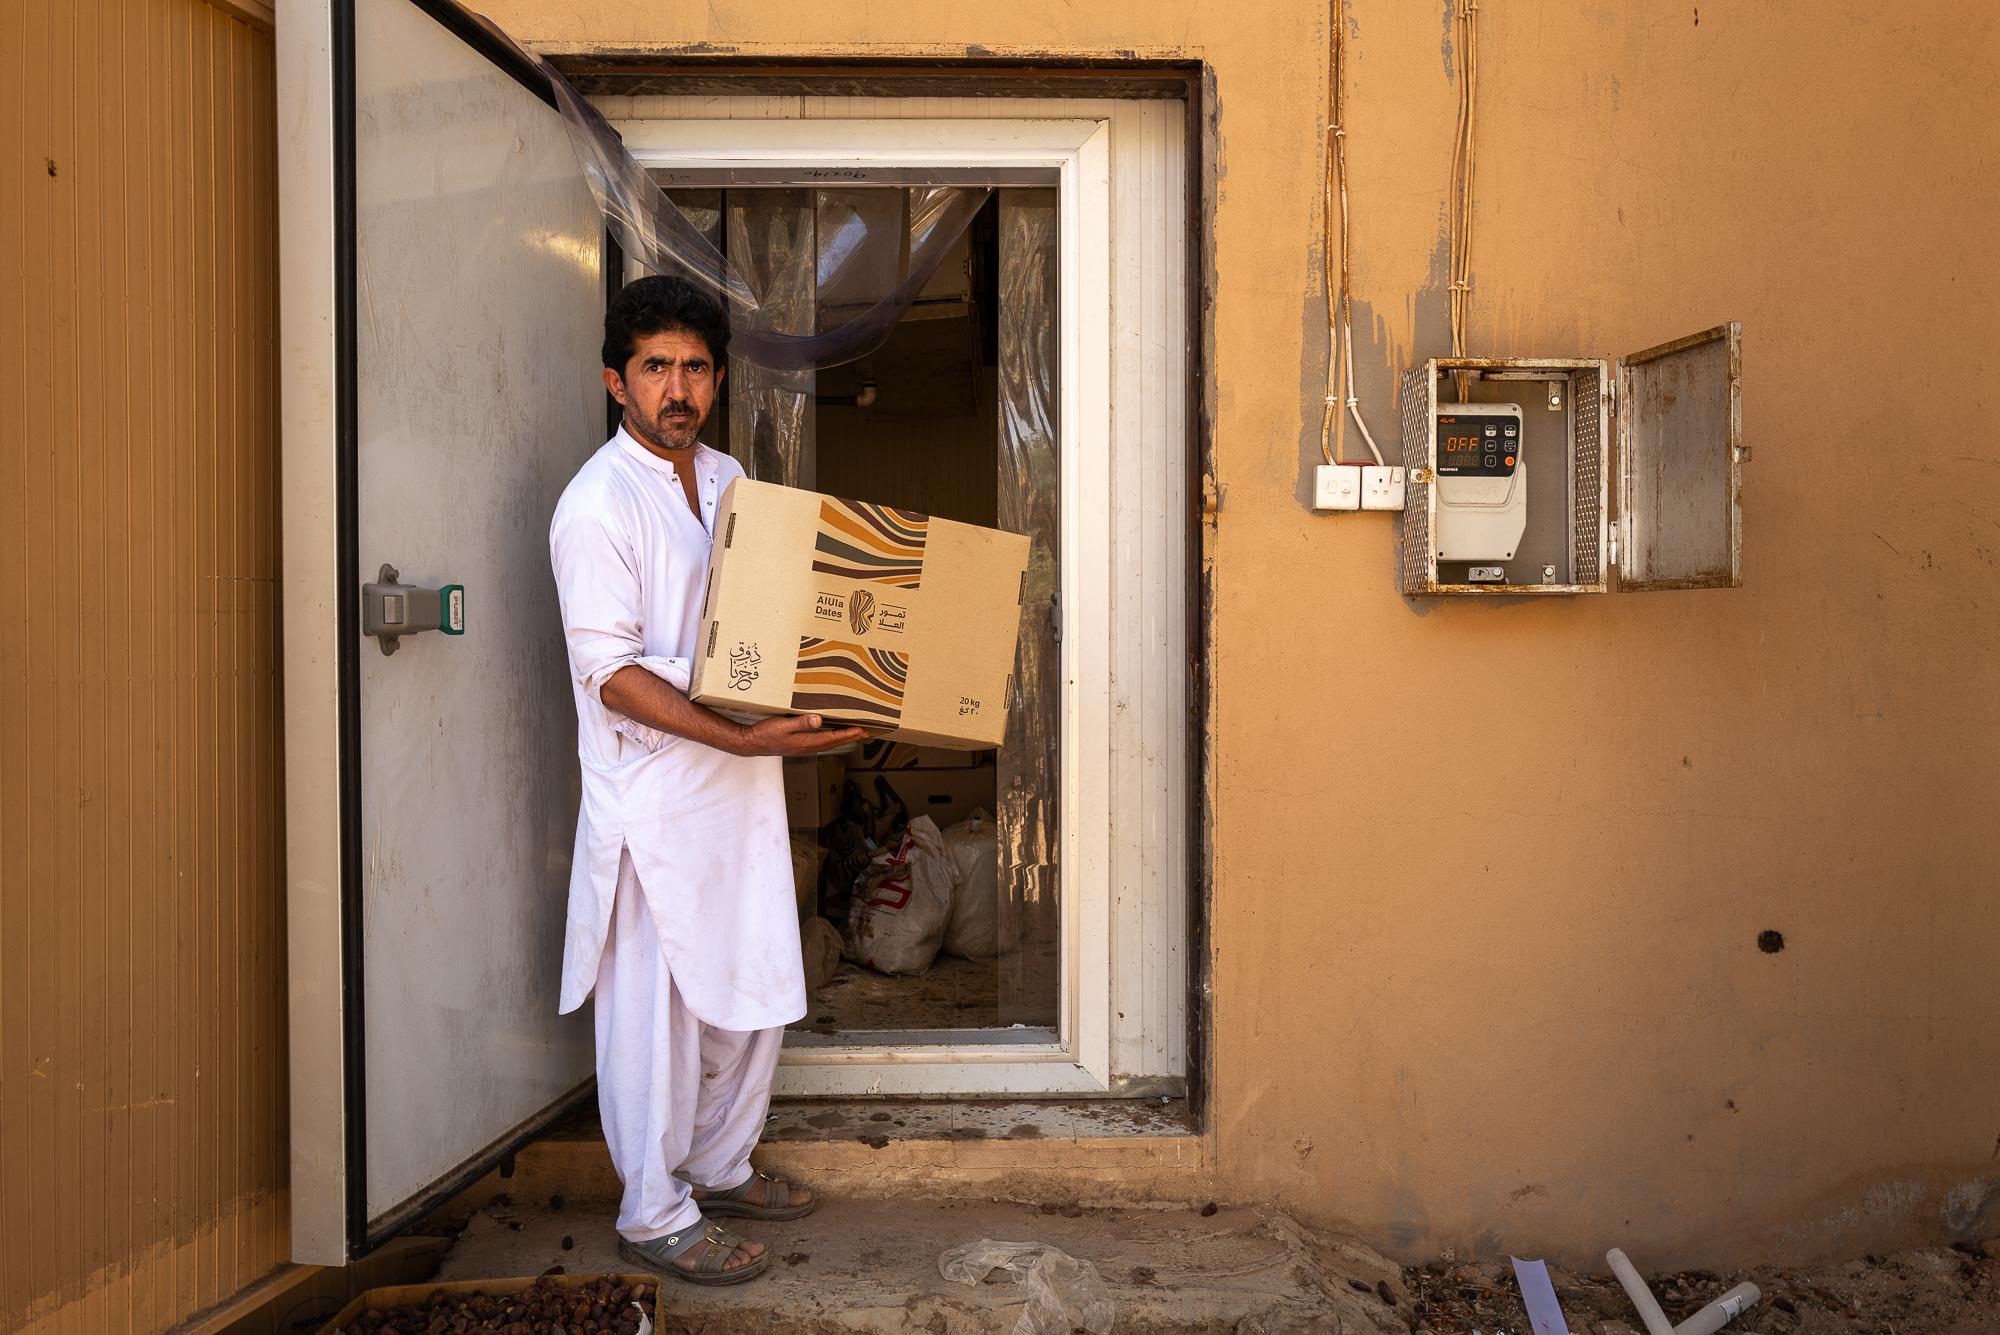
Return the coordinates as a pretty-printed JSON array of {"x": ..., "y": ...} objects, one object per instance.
[
  {"x": 1340, "y": 302},
  {"x": 1464, "y": 159}
]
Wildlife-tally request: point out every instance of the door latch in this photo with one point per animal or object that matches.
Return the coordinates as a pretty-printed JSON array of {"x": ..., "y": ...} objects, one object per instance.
[{"x": 391, "y": 609}]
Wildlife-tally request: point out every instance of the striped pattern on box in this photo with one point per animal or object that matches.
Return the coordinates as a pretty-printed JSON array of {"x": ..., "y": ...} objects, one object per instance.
[
  {"x": 850, "y": 682},
  {"x": 870, "y": 542}
]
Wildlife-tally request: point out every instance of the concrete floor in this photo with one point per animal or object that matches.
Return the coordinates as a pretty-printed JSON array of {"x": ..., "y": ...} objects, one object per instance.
[
  {"x": 873, "y": 1266},
  {"x": 951, "y": 994}
]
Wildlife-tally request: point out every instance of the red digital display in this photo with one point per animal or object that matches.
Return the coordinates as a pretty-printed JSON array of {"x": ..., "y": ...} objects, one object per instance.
[{"x": 1482, "y": 445}]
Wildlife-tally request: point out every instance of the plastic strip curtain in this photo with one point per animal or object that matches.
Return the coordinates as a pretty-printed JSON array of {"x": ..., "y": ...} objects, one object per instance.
[
  {"x": 822, "y": 260},
  {"x": 771, "y": 234},
  {"x": 771, "y": 327},
  {"x": 1026, "y": 782}
]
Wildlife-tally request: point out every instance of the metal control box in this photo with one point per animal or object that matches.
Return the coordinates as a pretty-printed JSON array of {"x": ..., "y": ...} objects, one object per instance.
[{"x": 1674, "y": 519}]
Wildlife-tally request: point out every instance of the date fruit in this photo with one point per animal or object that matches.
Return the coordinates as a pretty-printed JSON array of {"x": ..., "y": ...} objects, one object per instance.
[{"x": 601, "y": 1306}]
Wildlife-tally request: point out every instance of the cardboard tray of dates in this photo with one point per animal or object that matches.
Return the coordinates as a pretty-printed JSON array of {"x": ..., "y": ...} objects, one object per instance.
[{"x": 612, "y": 1304}]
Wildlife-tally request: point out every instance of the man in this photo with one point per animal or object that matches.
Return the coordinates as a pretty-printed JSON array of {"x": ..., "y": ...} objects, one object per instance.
[{"x": 682, "y": 919}]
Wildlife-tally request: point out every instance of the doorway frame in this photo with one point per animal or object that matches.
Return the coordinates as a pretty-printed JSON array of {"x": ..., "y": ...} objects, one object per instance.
[{"x": 1105, "y": 1013}]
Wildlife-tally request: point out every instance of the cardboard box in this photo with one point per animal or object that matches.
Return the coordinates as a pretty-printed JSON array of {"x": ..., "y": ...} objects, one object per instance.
[
  {"x": 873, "y": 754},
  {"x": 404, "y": 1295},
  {"x": 947, "y": 796},
  {"x": 812, "y": 791},
  {"x": 893, "y": 620}
]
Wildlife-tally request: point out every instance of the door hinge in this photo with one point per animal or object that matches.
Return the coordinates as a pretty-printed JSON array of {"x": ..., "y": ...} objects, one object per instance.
[{"x": 1611, "y": 545}]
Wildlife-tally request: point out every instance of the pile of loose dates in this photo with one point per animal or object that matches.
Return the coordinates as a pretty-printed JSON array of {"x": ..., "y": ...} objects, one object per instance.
[{"x": 602, "y": 1306}]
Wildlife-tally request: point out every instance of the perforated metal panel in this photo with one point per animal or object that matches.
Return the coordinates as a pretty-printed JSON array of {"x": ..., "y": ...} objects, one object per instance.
[
  {"x": 1586, "y": 398},
  {"x": 1419, "y": 423}
]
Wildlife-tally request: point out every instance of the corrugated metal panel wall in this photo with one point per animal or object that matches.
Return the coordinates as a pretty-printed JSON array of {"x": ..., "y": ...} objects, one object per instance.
[{"x": 142, "y": 996}]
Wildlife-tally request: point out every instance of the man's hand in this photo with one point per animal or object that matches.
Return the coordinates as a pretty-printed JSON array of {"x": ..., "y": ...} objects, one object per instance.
[{"x": 794, "y": 735}]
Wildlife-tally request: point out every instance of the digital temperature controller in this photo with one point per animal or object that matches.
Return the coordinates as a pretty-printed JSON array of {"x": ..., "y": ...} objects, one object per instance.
[
  {"x": 1478, "y": 446},
  {"x": 1482, "y": 484}
]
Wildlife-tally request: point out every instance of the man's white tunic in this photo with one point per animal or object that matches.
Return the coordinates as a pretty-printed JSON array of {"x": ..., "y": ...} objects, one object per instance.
[{"x": 706, "y": 830}]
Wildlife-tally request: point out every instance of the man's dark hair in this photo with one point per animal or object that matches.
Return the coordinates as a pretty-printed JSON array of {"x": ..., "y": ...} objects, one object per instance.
[{"x": 655, "y": 305}]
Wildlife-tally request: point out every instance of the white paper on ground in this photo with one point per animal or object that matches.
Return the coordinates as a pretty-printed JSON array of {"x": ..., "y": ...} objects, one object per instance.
[{"x": 1538, "y": 1295}]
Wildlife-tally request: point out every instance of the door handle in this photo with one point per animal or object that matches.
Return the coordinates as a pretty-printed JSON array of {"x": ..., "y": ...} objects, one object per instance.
[{"x": 391, "y": 609}]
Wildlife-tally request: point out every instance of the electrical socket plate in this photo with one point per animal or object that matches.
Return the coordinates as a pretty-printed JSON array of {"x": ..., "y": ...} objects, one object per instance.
[
  {"x": 1381, "y": 487},
  {"x": 1337, "y": 487}
]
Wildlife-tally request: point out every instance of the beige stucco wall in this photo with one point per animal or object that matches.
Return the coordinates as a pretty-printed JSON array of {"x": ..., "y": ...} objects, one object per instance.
[{"x": 1528, "y": 1010}]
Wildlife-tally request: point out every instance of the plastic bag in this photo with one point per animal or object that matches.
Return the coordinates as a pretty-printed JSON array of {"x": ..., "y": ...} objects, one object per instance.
[
  {"x": 861, "y": 831},
  {"x": 897, "y": 920},
  {"x": 1064, "y": 1294},
  {"x": 974, "y": 930}
]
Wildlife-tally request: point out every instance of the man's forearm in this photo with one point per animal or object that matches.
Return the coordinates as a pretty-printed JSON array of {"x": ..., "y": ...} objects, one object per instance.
[{"x": 644, "y": 698}]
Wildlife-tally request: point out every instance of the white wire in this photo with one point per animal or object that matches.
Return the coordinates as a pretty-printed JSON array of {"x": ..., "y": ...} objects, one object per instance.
[{"x": 1353, "y": 403}]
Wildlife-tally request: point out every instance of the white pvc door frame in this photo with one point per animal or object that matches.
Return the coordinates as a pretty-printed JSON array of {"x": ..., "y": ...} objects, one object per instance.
[{"x": 1086, "y": 1056}]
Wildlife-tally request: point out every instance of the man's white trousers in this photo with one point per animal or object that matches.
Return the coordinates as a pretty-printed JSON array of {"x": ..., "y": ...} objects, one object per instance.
[{"x": 682, "y": 1103}]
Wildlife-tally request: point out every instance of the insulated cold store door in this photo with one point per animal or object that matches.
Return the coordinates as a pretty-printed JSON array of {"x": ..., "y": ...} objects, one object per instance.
[{"x": 467, "y": 300}]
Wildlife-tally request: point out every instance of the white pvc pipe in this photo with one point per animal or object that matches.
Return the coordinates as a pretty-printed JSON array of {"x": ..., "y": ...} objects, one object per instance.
[
  {"x": 1642, "y": 1297},
  {"x": 1707, "y": 1321},
  {"x": 1720, "y": 1312}
]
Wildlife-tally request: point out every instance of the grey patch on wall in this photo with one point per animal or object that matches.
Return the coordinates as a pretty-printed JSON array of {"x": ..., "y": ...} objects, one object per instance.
[
  {"x": 1972, "y": 1211},
  {"x": 1444, "y": 44},
  {"x": 1375, "y": 374},
  {"x": 1408, "y": 1230},
  {"x": 1211, "y": 101},
  {"x": 1213, "y": 169}
]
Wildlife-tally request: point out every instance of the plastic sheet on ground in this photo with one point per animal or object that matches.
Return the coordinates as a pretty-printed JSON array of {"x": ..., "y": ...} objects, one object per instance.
[{"x": 1064, "y": 1294}]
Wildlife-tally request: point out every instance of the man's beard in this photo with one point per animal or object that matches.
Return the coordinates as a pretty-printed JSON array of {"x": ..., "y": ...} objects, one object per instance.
[{"x": 665, "y": 433}]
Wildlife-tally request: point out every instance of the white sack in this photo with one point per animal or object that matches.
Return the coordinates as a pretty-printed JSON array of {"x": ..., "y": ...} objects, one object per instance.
[
  {"x": 897, "y": 920},
  {"x": 974, "y": 930}
]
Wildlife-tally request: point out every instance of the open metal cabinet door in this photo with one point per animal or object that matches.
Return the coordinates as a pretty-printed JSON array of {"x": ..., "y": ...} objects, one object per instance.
[
  {"x": 448, "y": 262},
  {"x": 1680, "y": 463}
]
